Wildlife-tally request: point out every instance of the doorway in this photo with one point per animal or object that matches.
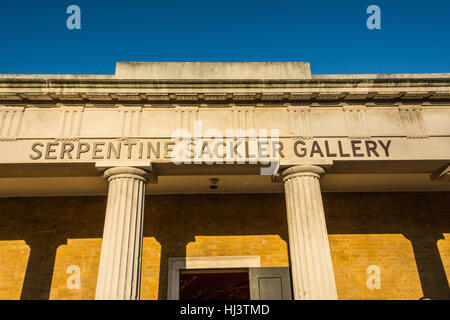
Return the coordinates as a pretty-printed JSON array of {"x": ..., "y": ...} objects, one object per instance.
[{"x": 214, "y": 284}]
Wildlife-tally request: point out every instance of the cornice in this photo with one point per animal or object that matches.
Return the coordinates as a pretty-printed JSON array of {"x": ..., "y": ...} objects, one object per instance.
[
  {"x": 334, "y": 98},
  {"x": 41, "y": 89}
]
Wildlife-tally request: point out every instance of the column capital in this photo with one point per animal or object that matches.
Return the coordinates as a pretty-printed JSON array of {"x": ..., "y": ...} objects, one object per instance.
[
  {"x": 127, "y": 172},
  {"x": 303, "y": 170}
]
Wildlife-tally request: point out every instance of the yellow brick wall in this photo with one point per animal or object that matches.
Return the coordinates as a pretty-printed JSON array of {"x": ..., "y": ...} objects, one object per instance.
[
  {"x": 402, "y": 233},
  {"x": 407, "y": 235},
  {"x": 13, "y": 264},
  {"x": 204, "y": 225}
]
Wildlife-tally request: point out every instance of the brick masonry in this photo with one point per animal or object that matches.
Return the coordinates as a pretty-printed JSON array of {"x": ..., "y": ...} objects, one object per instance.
[{"x": 407, "y": 235}]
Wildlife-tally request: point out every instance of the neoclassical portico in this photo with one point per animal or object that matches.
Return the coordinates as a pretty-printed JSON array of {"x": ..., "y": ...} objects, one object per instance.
[{"x": 292, "y": 132}]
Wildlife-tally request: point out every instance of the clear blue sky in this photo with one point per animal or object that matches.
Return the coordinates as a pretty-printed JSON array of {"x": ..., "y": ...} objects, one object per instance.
[{"x": 331, "y": 35}]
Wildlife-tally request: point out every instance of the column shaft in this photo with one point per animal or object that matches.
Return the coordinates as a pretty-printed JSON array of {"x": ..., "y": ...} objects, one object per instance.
[
  {"x": 311, "y": 265},
  {"x": 120, "y": 259}
]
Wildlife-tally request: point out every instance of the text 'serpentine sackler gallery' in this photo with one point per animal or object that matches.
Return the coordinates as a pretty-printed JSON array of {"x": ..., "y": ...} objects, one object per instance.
[{"x": 224, "y": 181}]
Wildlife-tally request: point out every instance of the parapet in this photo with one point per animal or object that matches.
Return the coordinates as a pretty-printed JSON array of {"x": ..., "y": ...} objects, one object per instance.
[{"x": 213, "y": 70}]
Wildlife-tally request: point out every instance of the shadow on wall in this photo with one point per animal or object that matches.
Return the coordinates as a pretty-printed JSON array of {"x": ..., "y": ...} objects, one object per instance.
[
  {"x": 175, "y": 220},
  {"x": 45, "y": 224},
  {"x": 421, "y": 217}
]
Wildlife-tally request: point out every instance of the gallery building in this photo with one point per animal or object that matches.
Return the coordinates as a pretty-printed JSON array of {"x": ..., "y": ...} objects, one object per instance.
[{"x": 224, "y": 181}]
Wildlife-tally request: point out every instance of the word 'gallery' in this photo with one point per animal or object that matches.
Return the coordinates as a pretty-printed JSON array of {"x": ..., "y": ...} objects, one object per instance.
[{"x": 100, "y": 198}]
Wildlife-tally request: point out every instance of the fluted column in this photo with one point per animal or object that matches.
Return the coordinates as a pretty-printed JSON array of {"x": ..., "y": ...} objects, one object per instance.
[
  {"x": 120, "y": 259},
  {"x": 311, "y": 265}
]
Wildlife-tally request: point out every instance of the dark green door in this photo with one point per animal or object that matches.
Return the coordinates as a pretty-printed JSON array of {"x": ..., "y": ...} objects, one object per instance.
[{"x": 270, "y": 283}]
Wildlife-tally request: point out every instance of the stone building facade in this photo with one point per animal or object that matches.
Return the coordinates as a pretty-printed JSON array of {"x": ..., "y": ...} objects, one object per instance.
[{"x": 133, "y": 185}]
